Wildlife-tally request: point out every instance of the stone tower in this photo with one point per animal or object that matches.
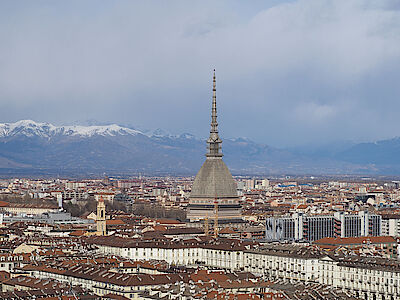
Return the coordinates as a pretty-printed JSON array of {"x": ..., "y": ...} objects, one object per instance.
[
  {"x": 214, "y": 192},
  {"x": 101, "y": 217}
]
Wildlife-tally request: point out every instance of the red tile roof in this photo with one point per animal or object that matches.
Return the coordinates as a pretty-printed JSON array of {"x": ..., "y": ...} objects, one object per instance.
[
  {"x": 356, "y": 240},
  {"x": 115, "y": 222},
  {"x": 4, "y": 203}
]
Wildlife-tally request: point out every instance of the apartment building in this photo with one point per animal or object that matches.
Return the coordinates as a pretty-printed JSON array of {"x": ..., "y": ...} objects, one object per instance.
[
  {"x": 391, "y": 225},
  {"x": 27, "y": 208},
  {"x": 102, "y": 281},
  {"x": 302, "y": 227},
  {"x": 385, "y": 245},
  {"x": 364, "y": 277}
]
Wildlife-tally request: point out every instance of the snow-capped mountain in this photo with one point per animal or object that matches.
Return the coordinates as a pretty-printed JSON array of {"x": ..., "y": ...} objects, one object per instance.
[
  {"x": 110, "y": 130},
  {"x": 42, "y": 148},
  {"x": 31, "y": 128},
  {"x": 39, "y": 146},
  {"x": 161, "y": 133},
  {"x": 158, "y": 133}
]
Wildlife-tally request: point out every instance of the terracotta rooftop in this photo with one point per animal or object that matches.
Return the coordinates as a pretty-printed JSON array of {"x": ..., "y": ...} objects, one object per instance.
[{"x": 329, "y": 241}]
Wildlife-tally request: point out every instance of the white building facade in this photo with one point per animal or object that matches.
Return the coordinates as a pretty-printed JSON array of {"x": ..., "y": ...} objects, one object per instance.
[{"x": 367, "y": 278}]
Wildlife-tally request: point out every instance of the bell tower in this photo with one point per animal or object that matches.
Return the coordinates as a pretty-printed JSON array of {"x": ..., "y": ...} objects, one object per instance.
[{"x": 101, "y": 217}]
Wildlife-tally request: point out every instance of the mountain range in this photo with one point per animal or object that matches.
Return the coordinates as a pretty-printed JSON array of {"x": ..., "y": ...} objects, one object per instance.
[{"x": 28, "y": 147}]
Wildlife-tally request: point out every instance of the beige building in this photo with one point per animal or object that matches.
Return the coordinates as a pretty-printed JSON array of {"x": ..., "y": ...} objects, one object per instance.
[
  {"x": 28, "y": 209},
  {"x": 106, "y": 196},
  {"x": 25, "y": 248}
]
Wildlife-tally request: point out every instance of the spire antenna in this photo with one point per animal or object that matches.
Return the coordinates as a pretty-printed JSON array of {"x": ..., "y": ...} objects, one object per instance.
[{"x": 214, "y": 142}]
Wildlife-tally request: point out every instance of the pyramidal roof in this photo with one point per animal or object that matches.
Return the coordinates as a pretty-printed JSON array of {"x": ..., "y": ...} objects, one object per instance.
[{"x": 214, "y": 179}]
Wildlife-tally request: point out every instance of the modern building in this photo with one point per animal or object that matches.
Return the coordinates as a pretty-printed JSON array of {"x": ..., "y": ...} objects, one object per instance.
[
  {"x": 391, "y": 225},
  {"x": 361, "y": 224},
  {"x": 302, "y": 227},
  {"x": 214, "y": 194},
  {"x": 59, "y": 217}
]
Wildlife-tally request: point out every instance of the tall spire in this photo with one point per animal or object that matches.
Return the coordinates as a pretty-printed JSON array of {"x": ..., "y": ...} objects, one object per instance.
[{"x": 214, "y": 142}]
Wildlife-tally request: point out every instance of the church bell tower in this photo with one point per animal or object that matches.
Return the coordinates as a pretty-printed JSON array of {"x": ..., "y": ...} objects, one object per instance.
[{"x": 101, "y": 217}]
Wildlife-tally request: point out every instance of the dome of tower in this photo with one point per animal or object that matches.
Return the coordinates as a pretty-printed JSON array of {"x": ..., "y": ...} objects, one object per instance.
[{"x": 214, "y": 180}]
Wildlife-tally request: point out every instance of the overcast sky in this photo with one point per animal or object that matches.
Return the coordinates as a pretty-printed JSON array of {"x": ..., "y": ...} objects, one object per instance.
[{"x": 288, "y": 72}]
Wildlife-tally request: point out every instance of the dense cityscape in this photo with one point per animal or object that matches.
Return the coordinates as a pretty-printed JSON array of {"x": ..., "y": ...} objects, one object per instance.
[
  {"x": 128, "y": 171},
  {"x": 132, "y": 237},
  {"x": 209, "y": 237}
]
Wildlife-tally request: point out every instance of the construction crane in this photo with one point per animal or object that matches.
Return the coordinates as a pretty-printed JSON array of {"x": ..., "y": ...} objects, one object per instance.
[
  {"x": 206, "y": 227},
  {"x": 216, "y": 218}
]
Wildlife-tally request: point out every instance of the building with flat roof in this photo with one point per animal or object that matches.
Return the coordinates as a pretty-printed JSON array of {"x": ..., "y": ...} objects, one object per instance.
[{"x": 304, "y": 227}]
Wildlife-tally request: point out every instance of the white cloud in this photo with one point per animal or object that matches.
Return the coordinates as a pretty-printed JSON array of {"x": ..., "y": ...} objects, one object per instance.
[{"x": 315, "y": 113}]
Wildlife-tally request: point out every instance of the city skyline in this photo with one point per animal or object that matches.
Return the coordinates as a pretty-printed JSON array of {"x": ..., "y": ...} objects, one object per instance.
[
  {"x": 293, "y": 72},
  {"x": 106, "y": 106}
]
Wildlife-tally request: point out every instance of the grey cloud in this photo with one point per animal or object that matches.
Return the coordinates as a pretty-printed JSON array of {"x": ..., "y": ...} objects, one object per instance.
[{"x": 289, "y": 73}]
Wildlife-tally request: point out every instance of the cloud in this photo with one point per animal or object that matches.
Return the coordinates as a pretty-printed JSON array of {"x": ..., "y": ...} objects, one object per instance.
[
  {"x": 149, "y": 64},
  {"x": 314, "y": 113}
]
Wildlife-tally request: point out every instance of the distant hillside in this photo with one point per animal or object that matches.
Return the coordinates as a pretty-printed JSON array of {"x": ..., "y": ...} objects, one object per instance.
[
  {"x": 382, "y": 152},
  {"x": 28, "y": 146}
]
